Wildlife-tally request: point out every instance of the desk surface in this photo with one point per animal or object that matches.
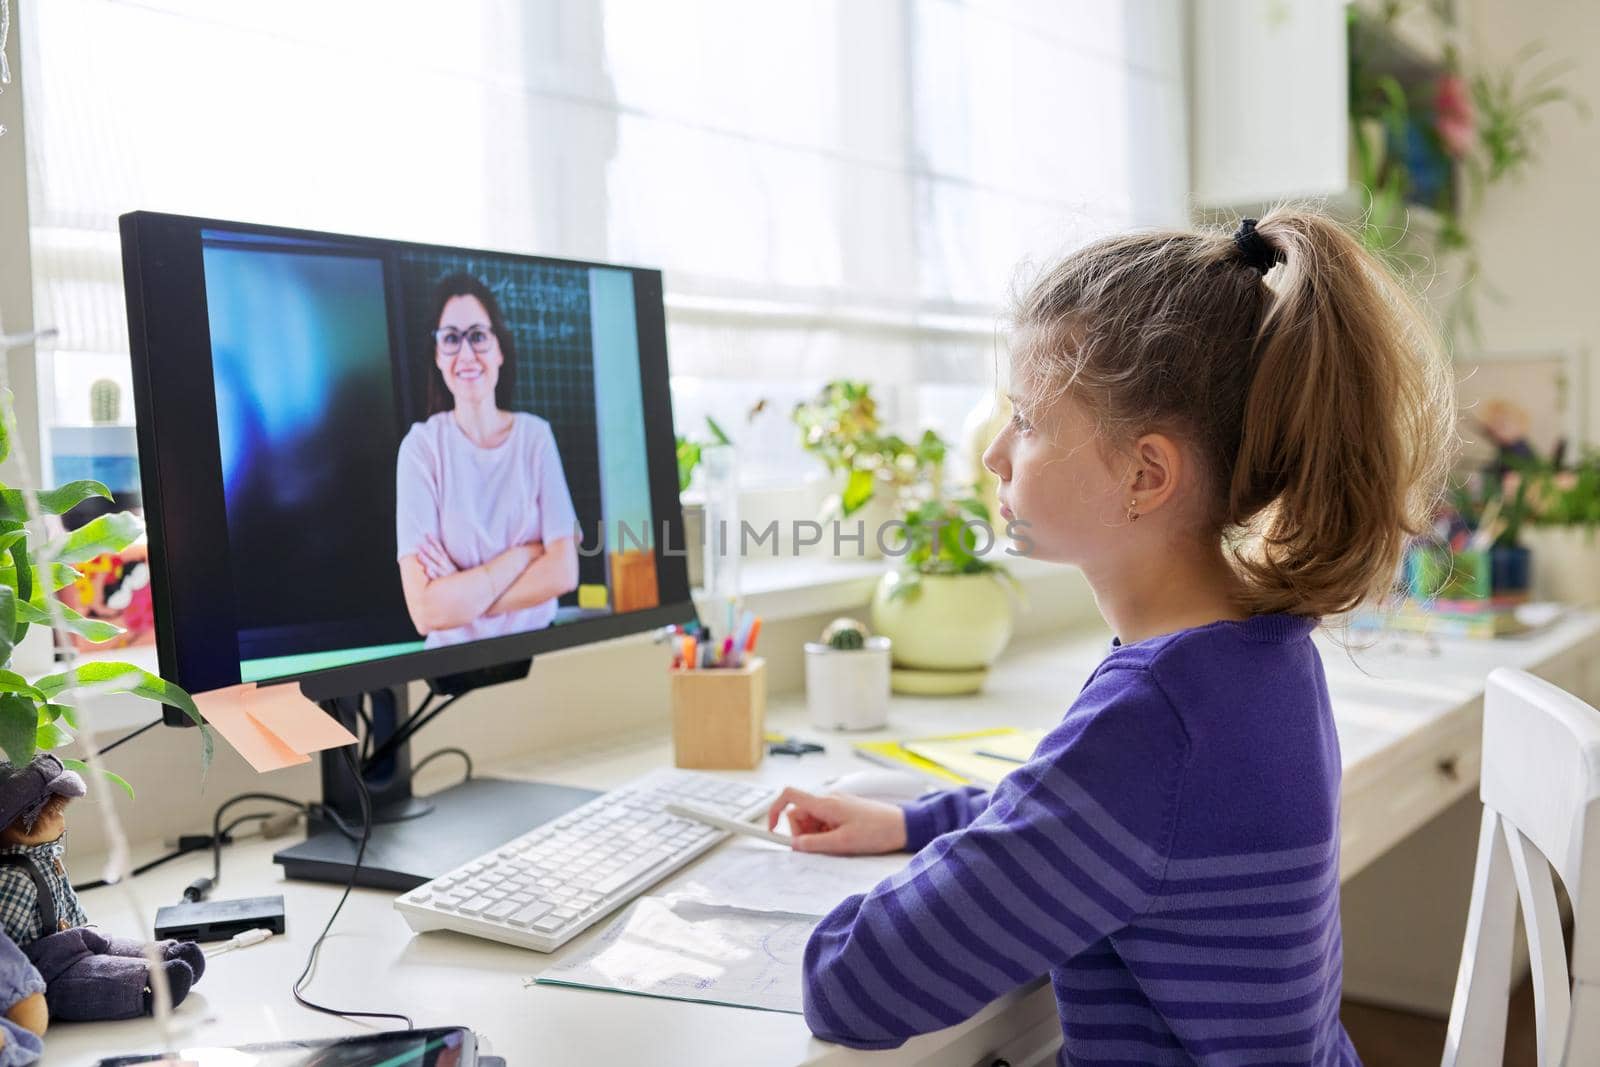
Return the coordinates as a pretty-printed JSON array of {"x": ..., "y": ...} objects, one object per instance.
[{"x": 1389, "y": 699}]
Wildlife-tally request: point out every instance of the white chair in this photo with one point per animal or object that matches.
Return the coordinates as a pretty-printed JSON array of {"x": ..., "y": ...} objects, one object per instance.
[{"x": 1541, "y": 809}]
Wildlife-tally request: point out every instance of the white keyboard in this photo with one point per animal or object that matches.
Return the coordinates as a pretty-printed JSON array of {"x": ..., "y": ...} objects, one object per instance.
[{"x": 544, "y": 888}]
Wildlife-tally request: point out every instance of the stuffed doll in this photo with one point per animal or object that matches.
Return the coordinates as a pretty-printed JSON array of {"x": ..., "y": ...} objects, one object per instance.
[{"x": 87, "y": 974}]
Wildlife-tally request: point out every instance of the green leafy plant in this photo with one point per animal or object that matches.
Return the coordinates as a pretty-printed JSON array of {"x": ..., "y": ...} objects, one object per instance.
[
  {"x": 36, "y": 716},
  {"x": 841, "y": 427},
  {"x": 1509, "y": 105},
  {"x": 941, "y": 536},
  {"x": 1568, "y": 496},
  {"x": 689, "y": 449}
]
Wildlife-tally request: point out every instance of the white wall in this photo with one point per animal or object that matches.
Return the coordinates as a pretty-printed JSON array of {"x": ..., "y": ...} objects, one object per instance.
[{"x": 1538, "y": 236}]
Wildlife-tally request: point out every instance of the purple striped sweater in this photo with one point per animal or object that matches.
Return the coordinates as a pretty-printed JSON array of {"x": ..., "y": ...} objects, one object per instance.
[{"x": 1169, "y": 856}]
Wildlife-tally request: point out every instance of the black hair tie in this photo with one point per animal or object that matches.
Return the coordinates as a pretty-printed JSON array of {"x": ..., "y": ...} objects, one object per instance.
[{"x": 1255, "y": 249}]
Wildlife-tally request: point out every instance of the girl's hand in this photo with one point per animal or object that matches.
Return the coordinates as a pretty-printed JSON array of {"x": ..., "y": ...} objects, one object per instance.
[
  {"x": 436, "y": 562},
  {"x": 840, "y": 824}
]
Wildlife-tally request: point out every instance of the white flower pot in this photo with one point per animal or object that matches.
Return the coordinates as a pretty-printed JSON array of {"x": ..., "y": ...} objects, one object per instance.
[
  {"x": 848, "y": 689},
  {"x": 1566, "y": 563}
]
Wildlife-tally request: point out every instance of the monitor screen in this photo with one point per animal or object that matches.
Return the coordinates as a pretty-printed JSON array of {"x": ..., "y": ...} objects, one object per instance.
[{"x": 368, "y": 461}]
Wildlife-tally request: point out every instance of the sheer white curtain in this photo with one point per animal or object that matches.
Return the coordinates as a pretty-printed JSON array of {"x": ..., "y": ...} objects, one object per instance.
[{"x": 832, "y": 188}]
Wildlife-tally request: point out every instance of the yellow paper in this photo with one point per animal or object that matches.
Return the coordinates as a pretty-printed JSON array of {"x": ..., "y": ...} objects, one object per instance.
[
  {"x": 591, "y": 596},
  {"x": 968, "y": 756}
]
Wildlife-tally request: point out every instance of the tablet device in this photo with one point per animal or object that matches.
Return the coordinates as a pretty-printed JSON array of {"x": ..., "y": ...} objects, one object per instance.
[{"x": 449, "y": 1046}]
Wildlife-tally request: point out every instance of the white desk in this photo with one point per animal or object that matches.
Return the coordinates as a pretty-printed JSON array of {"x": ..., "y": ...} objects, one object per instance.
[{"x": 1402, "y": 712}]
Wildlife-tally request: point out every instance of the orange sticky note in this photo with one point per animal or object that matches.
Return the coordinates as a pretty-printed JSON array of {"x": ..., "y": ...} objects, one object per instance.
[
  {"x": 284, "y": 711},
  {"x": 227, "y": 710}
]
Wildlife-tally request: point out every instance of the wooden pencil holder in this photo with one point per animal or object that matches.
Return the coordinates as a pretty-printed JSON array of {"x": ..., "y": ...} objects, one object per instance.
[{"x": 719, "y": 717}]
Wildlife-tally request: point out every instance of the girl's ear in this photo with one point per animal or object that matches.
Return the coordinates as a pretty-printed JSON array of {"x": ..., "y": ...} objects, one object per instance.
[{"x": 1158, "y": 472}]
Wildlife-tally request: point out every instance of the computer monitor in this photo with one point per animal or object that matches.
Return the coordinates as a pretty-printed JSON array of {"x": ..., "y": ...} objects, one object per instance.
[{"x": 369, "y": 462}]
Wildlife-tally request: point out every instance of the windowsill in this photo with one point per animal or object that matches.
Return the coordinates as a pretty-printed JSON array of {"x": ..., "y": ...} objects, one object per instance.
[
  {"x": 775, "y": 589},
  {"x": 812, "y": 585}
]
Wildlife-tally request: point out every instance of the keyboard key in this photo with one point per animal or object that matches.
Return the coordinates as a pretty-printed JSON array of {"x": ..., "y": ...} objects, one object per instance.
[
  {"x": 530, "y": 913},
  {"x": 502, "y": 911},
  {"x": 613, "y": 882},
  {"x": 560, "y": 878}
]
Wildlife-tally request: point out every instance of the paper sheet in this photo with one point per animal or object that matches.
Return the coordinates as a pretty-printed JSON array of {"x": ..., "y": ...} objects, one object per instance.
[
  {"x": 228, "y": 711},
  {"x": 285, "y": 712},
  {"x": 271, "y": 727},
  {"x": 757, "y": 877},
  {"x": 732, "y": 931},
  {"x": 685, "y": 950}
]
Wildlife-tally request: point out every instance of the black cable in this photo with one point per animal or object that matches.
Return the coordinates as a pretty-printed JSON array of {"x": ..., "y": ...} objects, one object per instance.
[
  {"x": 409, "y": 730},
  {"x": 355, "y": 869},
  {"x": 426, "y": 701},
  {"x": 196, "y": 844},
  {"x": 152, "y": 865},
  {"x": 430, "y": 757},
  {"x": 225, "y": 837},
  {"x": 322, "y": 811},
  {"x": 201, "y": 887},
  {"x": 425, "y": 714},
  {"x": 125, "y": 738},
  {"x": 366, "y": 726}
]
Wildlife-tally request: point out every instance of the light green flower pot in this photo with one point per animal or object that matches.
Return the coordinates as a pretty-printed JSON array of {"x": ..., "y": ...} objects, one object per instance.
[{"x": 946, "y": 632}]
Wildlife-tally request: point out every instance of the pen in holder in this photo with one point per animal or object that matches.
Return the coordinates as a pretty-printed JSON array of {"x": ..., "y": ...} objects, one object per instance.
[{"x": 718, "y": 716}]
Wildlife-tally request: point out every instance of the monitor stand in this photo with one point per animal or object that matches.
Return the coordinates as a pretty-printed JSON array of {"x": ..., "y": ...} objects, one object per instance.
[{"x": 413, "y": 839}]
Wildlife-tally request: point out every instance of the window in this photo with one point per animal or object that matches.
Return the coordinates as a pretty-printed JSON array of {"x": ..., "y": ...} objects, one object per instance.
[{"x": 831, "y": 188}]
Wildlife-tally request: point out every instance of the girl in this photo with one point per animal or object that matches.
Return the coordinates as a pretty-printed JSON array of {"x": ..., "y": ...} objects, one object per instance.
[{"x": 1232, "y": 437}]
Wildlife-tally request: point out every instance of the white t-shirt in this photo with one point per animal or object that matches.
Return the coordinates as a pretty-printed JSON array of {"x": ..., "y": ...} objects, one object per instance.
[{"x": 478, "y": 502}]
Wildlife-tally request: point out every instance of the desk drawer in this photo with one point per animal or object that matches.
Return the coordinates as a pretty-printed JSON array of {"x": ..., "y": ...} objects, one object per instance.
[{"x": 1389, "y": 795}]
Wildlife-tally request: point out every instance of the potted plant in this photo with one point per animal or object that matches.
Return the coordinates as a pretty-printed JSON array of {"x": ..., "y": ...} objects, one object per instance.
[
  {"x": 1561, "y": 530},
  {"x": 946, "y": 609},
  {"x": 875, "y": 469},
  {"x": 847, "y": 678},
  {"x": 38, "y": 714}
]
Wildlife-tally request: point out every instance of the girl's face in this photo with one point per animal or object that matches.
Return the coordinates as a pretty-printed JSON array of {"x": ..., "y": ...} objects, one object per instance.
[
  {"x": 1067, "y": 502},
  {"x": 469, "y": 374}
]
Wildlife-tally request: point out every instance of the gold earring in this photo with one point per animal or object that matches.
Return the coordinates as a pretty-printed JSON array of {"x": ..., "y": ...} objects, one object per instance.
[{"x": 1133, "y": 513}]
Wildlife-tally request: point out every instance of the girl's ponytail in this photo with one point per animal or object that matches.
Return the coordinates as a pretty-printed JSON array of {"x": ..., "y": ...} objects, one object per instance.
[
  {"x": 1343, "y": 444},
  {"x": 1310, "y": 385}
]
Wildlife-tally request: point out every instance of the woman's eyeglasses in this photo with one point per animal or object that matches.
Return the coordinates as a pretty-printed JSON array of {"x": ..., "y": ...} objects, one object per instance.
[{"x": 449, "y": 339}]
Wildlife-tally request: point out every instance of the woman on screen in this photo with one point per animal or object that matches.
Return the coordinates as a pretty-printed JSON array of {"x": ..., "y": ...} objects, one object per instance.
[{"x": 484, "y": 521}]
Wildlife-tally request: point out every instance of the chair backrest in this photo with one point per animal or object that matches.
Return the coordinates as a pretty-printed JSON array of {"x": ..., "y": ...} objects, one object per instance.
[{"x": 1541, "y": 809}]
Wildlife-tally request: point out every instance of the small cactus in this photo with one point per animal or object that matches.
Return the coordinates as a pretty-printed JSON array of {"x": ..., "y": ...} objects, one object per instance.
[
  {"x": 105, "y": 402},
  {"x": 845, "y": 635}
]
